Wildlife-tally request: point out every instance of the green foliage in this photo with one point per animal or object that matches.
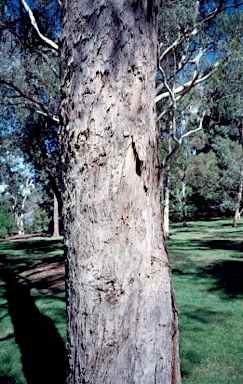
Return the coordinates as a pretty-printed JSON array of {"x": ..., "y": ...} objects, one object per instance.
[
  {"x": 7, "y": 224},
  {"x": 40, "y": 220},
  {"x": 207, "y": 271},
  {"x": 214, "y": 169},
  {"x": 30, "y": 75},
  {"x": 174, "y": 15}
]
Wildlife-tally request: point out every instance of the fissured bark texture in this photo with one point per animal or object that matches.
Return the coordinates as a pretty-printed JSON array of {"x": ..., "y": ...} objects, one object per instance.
[{"x": 122, "y": 325}]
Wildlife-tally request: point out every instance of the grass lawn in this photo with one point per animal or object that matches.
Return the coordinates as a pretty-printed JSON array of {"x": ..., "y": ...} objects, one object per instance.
[
  {"x": 207, "y": 266},
  {"x": 32, "y": 312}
]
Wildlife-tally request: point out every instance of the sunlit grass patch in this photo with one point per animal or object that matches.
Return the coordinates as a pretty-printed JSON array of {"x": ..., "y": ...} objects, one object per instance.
[{"x": 206, "y": 259}]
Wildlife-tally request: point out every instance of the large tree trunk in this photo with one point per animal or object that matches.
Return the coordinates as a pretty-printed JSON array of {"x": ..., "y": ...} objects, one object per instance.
[{"x": 122, "y": 320}]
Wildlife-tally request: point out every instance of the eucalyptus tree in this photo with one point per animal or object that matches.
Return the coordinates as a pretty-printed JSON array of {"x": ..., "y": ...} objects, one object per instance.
[
  {"x": 195, "y": 42},
  {"x": 17, "y": 184},
  {"x": 29, "y": 85},
  {"x": 223, "y": 130}
]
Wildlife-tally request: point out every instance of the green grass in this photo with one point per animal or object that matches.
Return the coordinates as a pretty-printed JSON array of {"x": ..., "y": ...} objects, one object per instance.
[
  {"x": 32, "y": 313},
  {"x": 206, "y": 259}
]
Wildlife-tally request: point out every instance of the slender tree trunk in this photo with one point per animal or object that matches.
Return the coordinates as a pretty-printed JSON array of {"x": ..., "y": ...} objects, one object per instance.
[
  {"x": 122, "y": 317},
  {"x": 183, "y": 202},
  {"x": 239, "y": 198},
  {"x": 56, "y": 232},
  {"x": 21, "y": 224},
  {"x": 19, "y": 221},
  {"x": 166, "y": 202},
  {"x": 166, "y": 194}
]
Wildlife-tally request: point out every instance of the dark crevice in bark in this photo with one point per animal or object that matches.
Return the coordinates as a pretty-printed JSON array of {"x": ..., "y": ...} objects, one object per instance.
[{"x": 139, "y": 163}]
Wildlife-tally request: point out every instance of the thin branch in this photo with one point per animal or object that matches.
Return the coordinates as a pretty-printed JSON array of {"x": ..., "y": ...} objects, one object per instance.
[
  {"x": 39, "y": 53},
  {"x": 166, "y": 85},
  {"x": 171, "y": 47},
  {"x": 178, "y": 142},
  {"x": 22, "y": 94},
  {"x": 185, "y": 88},
  {"x": 167, "y": 109},
  {"x": 169, "y": 155},
  {"x": 182, "y": 37},
  {"x": 34, "y": 24},
  {"x": 44, "y": 57},
  {"x": 54, "y": 118},
  {"x": 194, "y": 32},
  {"x": 218, "y": 10},
  {"x": 194, "y": 130}
]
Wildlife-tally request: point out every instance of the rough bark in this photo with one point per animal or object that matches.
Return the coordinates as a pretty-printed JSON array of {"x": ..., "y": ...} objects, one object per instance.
[
  {"x": 56, "y": 232},
  {"x": 122, "y": 320}
]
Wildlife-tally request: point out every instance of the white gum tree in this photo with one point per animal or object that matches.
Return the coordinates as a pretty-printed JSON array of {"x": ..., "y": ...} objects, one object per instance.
[{"x": 190, "y": 53}]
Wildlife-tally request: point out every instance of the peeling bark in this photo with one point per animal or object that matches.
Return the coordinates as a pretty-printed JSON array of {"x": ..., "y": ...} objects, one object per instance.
[{"x": 122, "y": 322}]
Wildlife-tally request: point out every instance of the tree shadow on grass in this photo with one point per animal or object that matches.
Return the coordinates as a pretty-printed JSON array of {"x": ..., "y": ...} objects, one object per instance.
[
  {"x": 33, "y": 247},
  {"x": 42, "y": 349},
  {"x": 23, "y": 266},
  {"x": 224, "y": 244},
  {"x": 228, "y": 277},
  {"x": 196, "y": 321}
]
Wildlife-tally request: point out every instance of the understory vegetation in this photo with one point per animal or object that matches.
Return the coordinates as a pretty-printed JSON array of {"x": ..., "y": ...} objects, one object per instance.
[{"x": 207, "y": 268}]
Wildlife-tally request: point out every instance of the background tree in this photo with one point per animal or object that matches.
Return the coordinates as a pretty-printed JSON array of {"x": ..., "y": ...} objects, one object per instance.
[
  {"x": 17, "y": 186},
  {"x": 195, "y": 42},
  {"x": 29, "y": 86}
]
